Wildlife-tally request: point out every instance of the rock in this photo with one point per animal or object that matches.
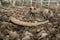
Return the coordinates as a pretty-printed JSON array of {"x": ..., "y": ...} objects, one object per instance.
[
  {"x": 5, "y": 18},
  {"x": 5, "y": 31},
  {"x": 13, "y": 35},
  {"x": 6, "y": 38},
  {"x": 26, "y": 38},
  {"x": 58, "y": 36},
  {"x": 38, "y": 30},
  {"x": 52, "y": 30},
  {"x": 28, "y": 33},
  {"x": 4, "y": 25},
  {"x": 49, "y": 23},
  {"x": 17, "y": 39},
  {"x": 2, "y": 35},
  {"x": 42, "y": 34}
]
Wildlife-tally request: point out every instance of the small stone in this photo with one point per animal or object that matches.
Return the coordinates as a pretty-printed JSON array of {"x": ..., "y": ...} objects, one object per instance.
[
  {"x": 13, "y": 35},
  {"x": 58, "y": 36},
  {"x": 26, "y": 38},
  {"x": 7, "y": 37},
  {"x": 28, "y": 33},
  {"x": 2, "y": 35},
  {"x": 38, "y": 30},
  {"x": 42, "y": 34}
]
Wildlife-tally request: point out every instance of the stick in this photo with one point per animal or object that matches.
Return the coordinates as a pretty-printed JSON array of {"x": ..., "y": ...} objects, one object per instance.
[{"x": 18, "y": 22}]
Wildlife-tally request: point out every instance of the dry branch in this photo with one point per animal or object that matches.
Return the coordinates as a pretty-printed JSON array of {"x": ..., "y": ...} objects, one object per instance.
[{"x": 18, "y": 22}]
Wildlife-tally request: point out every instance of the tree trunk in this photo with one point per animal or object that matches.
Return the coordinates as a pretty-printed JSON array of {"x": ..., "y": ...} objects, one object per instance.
[{"x": 12, "y": 2}]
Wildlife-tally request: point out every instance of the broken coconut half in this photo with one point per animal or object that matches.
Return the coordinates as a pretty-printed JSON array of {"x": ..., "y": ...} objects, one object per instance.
[{"x": 18, "y": 22}]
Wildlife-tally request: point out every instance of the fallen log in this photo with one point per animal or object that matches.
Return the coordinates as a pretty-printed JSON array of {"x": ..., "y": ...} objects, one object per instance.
[{"x": 18, "y": 22}]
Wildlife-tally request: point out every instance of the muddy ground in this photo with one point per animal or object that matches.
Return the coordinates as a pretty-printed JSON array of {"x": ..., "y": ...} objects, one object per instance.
[{"x": 11, "y": 31}]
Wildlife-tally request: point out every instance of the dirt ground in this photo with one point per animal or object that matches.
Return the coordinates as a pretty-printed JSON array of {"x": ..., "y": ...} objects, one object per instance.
[{"x": 12, "y": 31}]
